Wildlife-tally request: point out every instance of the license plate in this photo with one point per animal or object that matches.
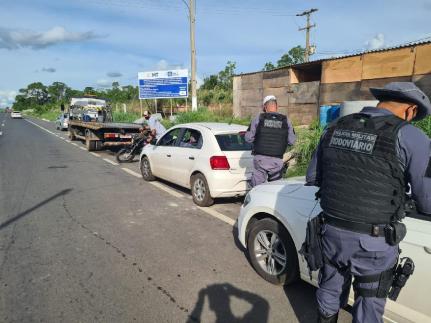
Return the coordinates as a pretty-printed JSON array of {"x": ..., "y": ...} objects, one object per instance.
[{"x": 125, "y": 136}]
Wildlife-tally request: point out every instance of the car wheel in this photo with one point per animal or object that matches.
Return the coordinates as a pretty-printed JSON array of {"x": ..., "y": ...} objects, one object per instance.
[
  {"x": 200, "y": 190},
  {"x": 146, "y": 172},
  {"x": 272, "y": 252}
]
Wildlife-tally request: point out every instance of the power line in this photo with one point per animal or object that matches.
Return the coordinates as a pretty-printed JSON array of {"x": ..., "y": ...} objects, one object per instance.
[{"x": 160, "y": 6}]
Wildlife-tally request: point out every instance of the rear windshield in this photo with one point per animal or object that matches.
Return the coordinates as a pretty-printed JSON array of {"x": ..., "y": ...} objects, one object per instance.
[{"x": 232, "y": 142}]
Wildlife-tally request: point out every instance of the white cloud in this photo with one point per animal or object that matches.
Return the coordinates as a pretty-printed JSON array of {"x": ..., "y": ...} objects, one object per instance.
[
  {"x": 7, "y": 98},
  {"x": 199, "y": 81},
  {"x": 16, "y": 38},
  {"x": 376, "y": 42},
  {"x": 104, "y": 83},
  {"x": 162, "y": 65}
]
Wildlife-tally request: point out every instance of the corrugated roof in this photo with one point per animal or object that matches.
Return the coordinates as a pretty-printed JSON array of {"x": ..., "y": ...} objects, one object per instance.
[
  {"x": 405, "y": 45},
  {"x": 385, "y": 49}
]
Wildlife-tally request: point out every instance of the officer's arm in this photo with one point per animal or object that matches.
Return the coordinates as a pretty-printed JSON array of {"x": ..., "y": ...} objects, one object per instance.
[
  {"x": 291, "y": 139},
  {"x": 415, "y": 147},
  {"x": 312, "y": 177},
  {"x": 251, "y": 131}
]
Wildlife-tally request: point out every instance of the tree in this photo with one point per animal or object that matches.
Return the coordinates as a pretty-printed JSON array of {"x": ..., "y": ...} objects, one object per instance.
[
  {"x": 225, "y": 77},
  {"x": 37, "y": 93},
  {"x": 294, "y": 56},
  {"x": 268, "y": 66},
  {"x": 90, "y": 91},
  {"x": 116, "y": 85},
  {"x": 57, "y": 91},
  {"x": 210, "y": 82}
]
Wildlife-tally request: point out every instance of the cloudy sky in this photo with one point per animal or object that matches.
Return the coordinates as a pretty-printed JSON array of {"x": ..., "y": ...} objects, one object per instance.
[{"x": 95, "y": 42}]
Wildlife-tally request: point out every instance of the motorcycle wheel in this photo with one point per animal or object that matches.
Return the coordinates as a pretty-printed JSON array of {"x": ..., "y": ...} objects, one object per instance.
[{"x": 125, "y": 155}]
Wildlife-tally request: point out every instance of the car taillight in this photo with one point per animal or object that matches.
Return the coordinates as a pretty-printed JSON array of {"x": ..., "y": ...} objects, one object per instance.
[{"x": 219, "y": 162}]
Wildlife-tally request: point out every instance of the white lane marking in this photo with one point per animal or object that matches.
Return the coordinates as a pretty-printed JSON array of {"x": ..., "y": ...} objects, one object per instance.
[
  {"x": 172, "y": 192},
  {"x": 72, "y": 143},
  {"x": 45, "y": 120},
  {"x": 217, "y": 215},
  {"x": 94, "y": 154},
  {"x": 110, "y": 161},
  {"x": 38, "y": 126},
  {"x": 131, "y": 172},
  {"x": 166, "y": 189},
  {"x": 82, "y": 148}
]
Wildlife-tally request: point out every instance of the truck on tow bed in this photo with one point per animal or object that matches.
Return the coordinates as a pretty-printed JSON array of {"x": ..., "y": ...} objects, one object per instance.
[{"x": 90, "y": 119}]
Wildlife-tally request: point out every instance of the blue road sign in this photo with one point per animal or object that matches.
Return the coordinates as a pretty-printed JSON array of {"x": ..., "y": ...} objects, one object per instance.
[{"x": 163, "y": 84}]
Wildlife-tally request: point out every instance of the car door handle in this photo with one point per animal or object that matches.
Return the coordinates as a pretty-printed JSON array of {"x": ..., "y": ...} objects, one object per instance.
[
  {"x": 168, "y": 155},
  {"x": 427, "y": 250},
  {"x": 191, "y": 158}
]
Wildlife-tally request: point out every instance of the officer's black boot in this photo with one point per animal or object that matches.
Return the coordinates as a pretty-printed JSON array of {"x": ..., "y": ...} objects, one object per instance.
[{"x": 326, "y": 319}]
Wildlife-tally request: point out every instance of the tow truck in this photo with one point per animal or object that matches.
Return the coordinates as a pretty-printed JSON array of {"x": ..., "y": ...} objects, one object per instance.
[{"x": 90, "y": 120}]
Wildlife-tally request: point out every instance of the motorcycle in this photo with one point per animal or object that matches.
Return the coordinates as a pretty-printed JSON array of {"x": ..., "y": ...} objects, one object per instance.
[{"x": 128, "y": 153}]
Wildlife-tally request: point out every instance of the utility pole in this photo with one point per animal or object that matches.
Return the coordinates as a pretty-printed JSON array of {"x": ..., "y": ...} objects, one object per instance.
[
  {"x": 192, "y": 12},
  {"x": 307, "y": 35}
]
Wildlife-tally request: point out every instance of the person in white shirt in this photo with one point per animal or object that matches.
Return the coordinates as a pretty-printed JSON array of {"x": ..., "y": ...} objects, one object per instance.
[{"x": 157, "y": 129}]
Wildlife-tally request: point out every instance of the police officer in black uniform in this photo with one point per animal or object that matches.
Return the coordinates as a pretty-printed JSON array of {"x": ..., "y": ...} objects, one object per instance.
[
  {"x": 364, "y": 165},
  {"x": 270, "y": 133}
]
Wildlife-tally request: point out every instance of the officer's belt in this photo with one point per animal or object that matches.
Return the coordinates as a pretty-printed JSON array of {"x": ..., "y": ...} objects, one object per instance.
[{"x": 375, "y": 230}]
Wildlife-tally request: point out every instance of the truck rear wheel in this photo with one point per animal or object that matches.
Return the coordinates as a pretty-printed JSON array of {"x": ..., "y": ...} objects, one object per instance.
[
  {"x": 71, "y": 135},
  {"x": 98, "y": 144},
  {"x": 91, "y": 144}
]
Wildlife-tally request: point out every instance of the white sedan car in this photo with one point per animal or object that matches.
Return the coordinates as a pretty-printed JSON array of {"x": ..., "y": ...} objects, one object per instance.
[
  {"x": 16, "y": 115},
  {"x": 272, "y": 226},
  {"x": 212, "y": 159}
]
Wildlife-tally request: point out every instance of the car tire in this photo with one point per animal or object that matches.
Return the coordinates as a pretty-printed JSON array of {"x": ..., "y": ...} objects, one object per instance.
[
  {"x": 268, "y": 261},
  {"x": 146, "y": 172},
  {"x": 200, "y": 190}
]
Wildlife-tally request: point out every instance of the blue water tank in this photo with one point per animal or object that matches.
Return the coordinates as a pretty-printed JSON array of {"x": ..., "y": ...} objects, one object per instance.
[
  {"x": 335, "y": 112},
  {"x": 329, "y": 113},
  {"x": 324, "y": 115}
]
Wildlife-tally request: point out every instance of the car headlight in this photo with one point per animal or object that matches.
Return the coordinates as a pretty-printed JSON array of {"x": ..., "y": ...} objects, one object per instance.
[{"x": 247, "y": 200}]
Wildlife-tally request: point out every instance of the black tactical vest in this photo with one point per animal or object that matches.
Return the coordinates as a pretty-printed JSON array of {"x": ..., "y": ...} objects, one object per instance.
[
  {"x": 360, "y": 175},
  {"x": 271, "y": 135}
]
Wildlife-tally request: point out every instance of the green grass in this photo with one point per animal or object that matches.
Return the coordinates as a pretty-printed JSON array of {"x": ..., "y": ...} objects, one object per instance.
[
  {"x": 125, "y": 117},
  {"x": 306, "y": 143},
  {"x": 425, "y": 125},
  {"x": 205, "y": 115},
  {"x": 50, "y": 115}
]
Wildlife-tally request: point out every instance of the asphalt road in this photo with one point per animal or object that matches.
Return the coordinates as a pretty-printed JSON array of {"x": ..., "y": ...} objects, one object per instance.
[{"x": 84, "y": 240}]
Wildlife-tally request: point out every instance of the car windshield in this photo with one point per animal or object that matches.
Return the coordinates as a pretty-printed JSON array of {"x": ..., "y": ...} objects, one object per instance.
[{"x": 232, "y": 142}]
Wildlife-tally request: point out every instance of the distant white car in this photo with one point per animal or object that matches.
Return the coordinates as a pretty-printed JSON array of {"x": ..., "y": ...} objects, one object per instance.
[
  {"x": 62, "y": 121},
  {"x": 16, "y": 115},
  {"x": 212, "y": 159},
  {"x": 272, "y": 225}
]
